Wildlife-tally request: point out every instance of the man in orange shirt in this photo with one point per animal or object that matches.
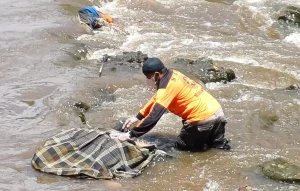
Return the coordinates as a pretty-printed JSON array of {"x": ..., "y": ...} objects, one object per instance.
[{"x": 202, "y": 115}]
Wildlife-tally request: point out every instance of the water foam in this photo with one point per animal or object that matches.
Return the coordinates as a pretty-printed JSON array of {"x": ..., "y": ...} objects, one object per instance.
[
  {"x": 128, "y": 100},
  {"x": 243, "y": 59},
  {"x": 293, "y": 38},
  {"x": 100, "y": 53},
  {"x": 211, "y": 186}
]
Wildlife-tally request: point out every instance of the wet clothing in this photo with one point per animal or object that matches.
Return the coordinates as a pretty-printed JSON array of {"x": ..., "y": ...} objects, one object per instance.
[
  {"x": 106, "y": 17},
  {"x": 91, "y": 153},
  {"x": 89, "y": 15},
  {"x": 205, "y": 134},
  {"x": 181, "y": 96}
]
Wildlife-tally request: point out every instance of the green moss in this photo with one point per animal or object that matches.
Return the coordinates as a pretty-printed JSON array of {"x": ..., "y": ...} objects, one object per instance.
[
  {"x": 29, "y": 103},
  {"x": 82, "y": 117},
  {"x": 267, "y": 119}
]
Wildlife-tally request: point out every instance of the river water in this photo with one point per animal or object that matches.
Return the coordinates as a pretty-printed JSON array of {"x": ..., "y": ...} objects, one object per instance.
[{"x": 40, "y": 80}]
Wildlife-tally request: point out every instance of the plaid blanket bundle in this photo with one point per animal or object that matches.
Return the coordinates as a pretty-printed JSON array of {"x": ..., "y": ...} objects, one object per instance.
[{"x": 91, "y": 153}]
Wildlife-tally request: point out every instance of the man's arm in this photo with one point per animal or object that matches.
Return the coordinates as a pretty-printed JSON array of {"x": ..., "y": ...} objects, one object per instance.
[
  {"x": 146, "y": 109},
  {"x": 149, "y": 121},
  {"x": 158, "y": 105}
]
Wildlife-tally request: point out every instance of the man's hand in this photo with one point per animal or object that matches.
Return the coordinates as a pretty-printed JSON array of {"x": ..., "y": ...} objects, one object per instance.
[
  {"x": 129, "y": 122},
  {"x": 124, "y": 136}
]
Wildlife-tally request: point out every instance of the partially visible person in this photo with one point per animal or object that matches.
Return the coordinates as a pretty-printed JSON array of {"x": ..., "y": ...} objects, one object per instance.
[
  {"x": 202, "y": 115},
  {"x": 93, "y": 17}
]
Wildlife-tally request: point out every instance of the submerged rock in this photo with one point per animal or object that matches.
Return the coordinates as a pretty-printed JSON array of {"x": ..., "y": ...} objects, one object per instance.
[
  {"x": 281, "y": 170},
  {"x": 29, "y": 103},
  {"x": 290, "y": 15},
  {"x": 79, "y": 52},
  {"x": 204, "y": 69},
  {"x": 293, "y": 87},
  {"x": 267, "y": 119},
  {"x": 82, "y": 105}
]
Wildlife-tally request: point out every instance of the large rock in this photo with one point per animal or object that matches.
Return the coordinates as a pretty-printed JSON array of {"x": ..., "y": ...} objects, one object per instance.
[
  {"x": 293, "y": 87},
  {"x": 203, "y": 69},
  {"x": 128, "y": 61},
  {"x": 281, "y": 170},
  {"x": 290, "y": 15}
]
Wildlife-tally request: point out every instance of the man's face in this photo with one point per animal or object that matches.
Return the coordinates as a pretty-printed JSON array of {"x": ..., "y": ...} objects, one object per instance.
[{"x": 152, "y": 79}]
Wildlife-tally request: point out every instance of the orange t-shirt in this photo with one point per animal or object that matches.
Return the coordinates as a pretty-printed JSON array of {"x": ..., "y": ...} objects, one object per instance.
[{"x": 181, "y": 96}]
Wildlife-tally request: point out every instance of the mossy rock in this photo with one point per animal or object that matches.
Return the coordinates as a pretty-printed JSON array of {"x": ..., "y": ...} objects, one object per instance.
[
  {"x": 267, "y": 119},
  {"x": 29, "y": 103},
  {"x": 290, "y": 15},
  {"x": 281, "y": 170},
  {"x": 82, "y": 117}
]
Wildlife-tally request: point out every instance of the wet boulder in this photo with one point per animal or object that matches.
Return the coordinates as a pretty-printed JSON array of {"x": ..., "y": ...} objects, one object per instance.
[
  {"x": 128, "y": 61},
  {"x": 82, "y": 105},
  {"x": 281, "y": 170},
  {"x": 267, "y": 119},
  {"x": 203, "y": 69},
  {"x": 293, "y": 87},
  {"x": 290, "y": 15}
]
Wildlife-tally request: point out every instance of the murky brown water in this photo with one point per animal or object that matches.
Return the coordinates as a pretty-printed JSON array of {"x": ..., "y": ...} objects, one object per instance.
[{"x": 39, "y": 81}]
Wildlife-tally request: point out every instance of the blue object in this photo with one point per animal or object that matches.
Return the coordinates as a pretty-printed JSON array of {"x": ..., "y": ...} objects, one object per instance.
[{"x": 88, "y": 15}]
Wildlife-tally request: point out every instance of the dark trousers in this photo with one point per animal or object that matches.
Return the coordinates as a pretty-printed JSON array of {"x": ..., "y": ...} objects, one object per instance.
[{"x": 202, "y": 136}]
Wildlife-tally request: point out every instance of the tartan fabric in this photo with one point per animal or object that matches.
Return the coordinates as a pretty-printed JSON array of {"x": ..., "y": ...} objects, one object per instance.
[{"x": 91, "y": 153}]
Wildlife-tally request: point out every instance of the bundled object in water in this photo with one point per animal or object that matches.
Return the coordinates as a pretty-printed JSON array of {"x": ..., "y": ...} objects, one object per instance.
[{"x": 92, "y": 153}]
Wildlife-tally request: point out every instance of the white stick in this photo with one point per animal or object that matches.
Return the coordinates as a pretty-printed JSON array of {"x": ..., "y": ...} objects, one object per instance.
[{"x": 100, "y": 70}]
